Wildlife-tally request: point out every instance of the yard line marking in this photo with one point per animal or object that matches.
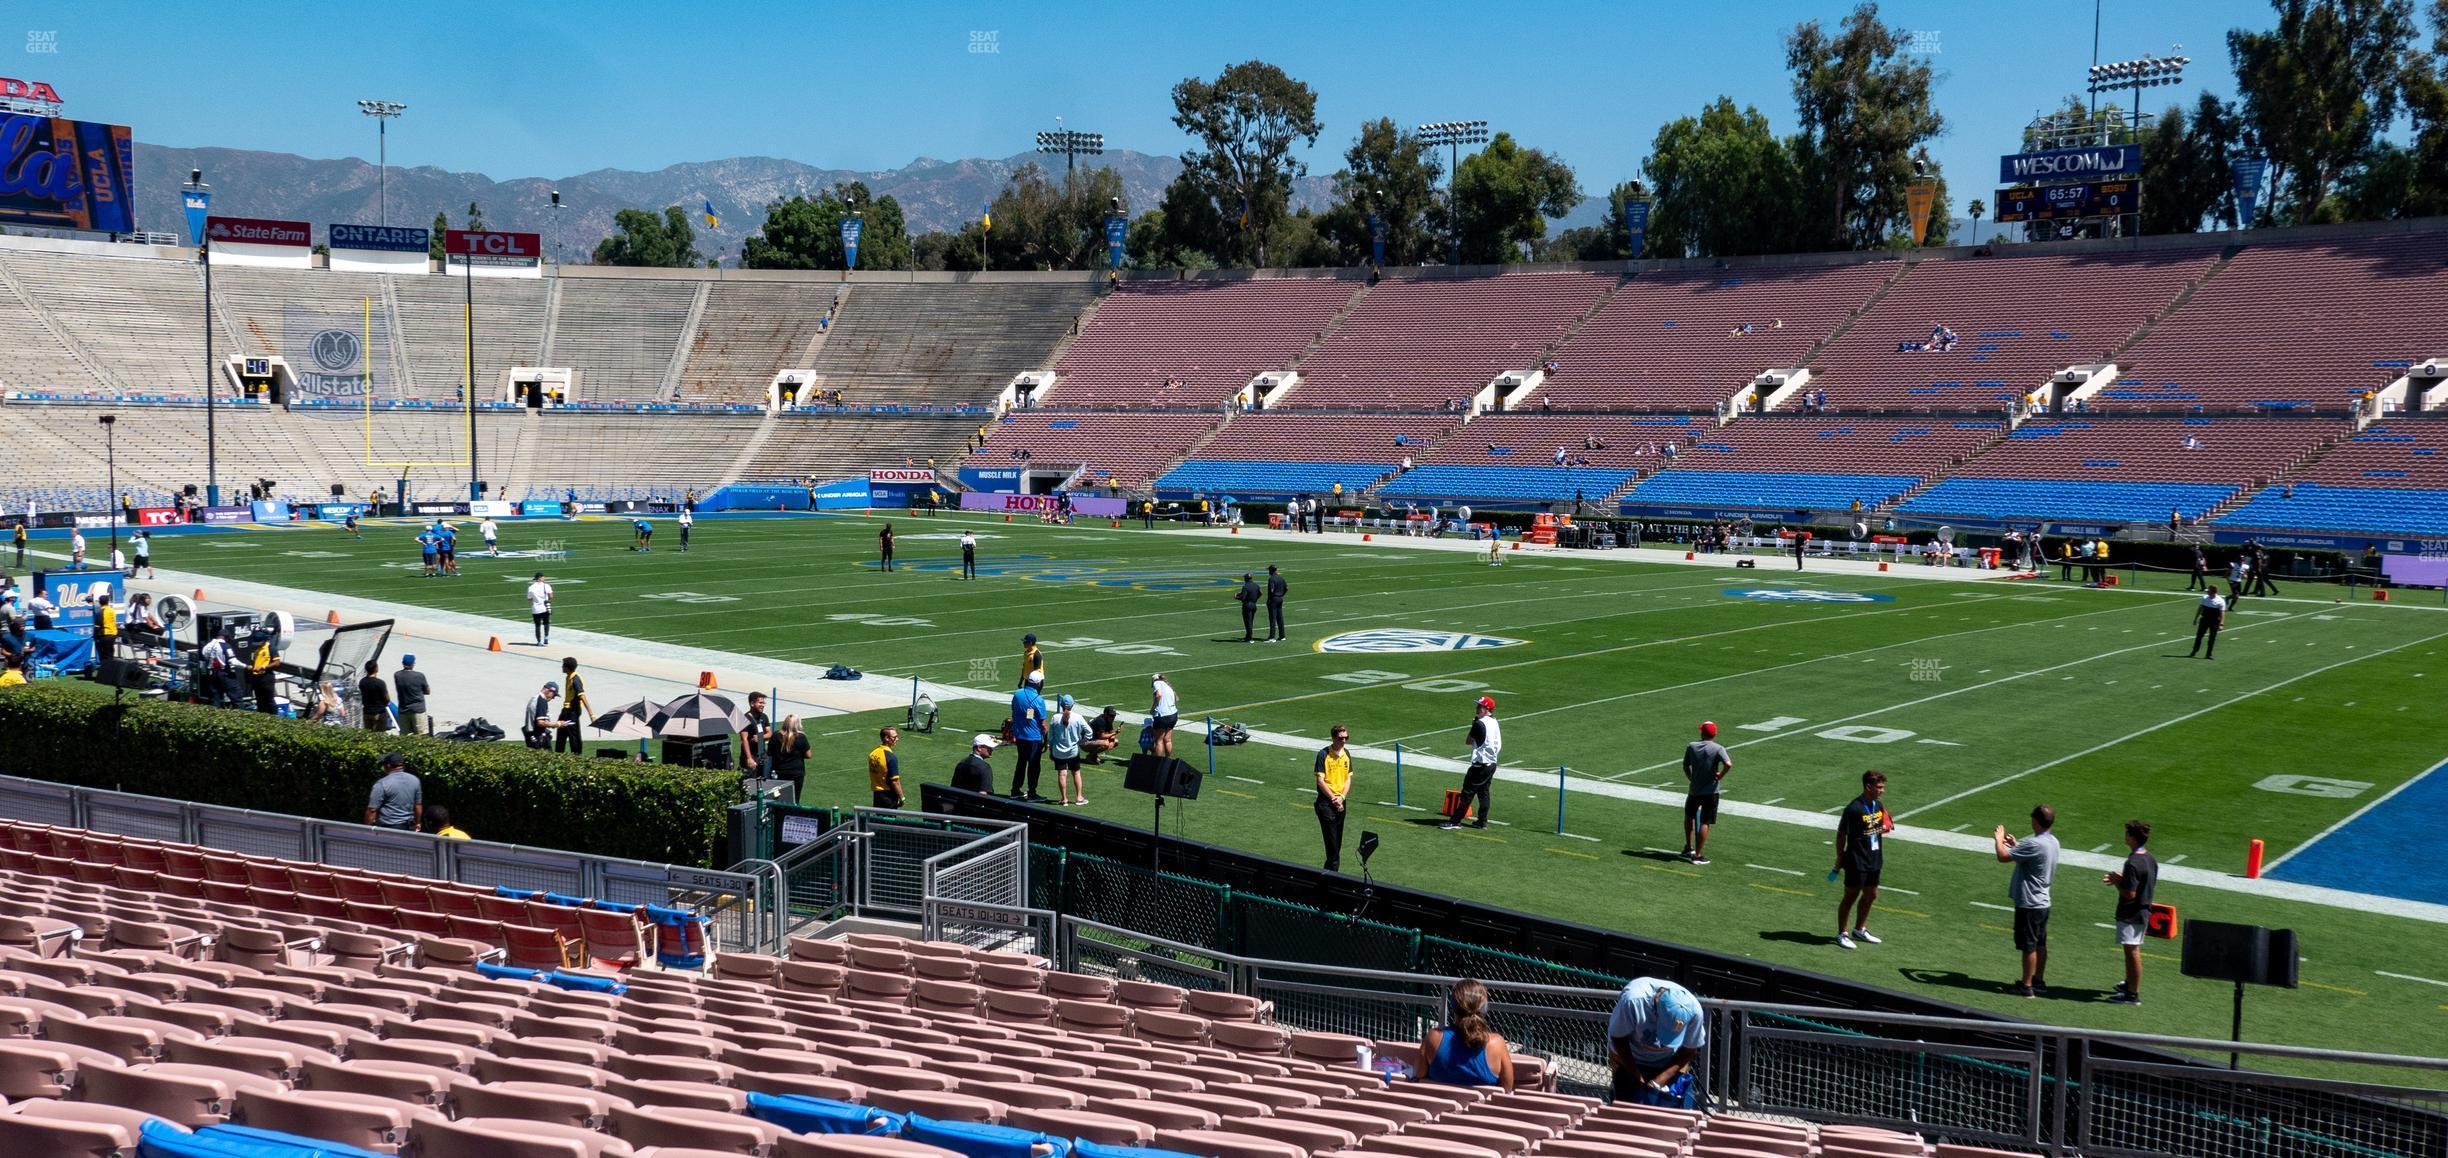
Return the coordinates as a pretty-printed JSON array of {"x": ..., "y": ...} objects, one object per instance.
[
  {"x": 2352, "y": 817},
  {"x": 1567, "y": 852},
  {"x": 1775, "y": 889},
  {"x": 2336, "y": 988},
  {"x": 1961, "y": 827},
  {"x": 1659, "y": 868},
  {"x": 1893, "y": 889},
  {"x": 1995, "y": 928},
  {"x": 1769, "y": 868},
  {"x": 2179, "y": 859},
  {"x": 1247, "y": 780},
  {"x": 2100, "y": 848},
  {"x": 1987, "y": 905},
  {"x": 1577, "y": 836},
  {"x": 1903, "y": 912},
  {"x": 2141, "y": 732},
  {"x": 2410, "y": 977},
  {"x": 1242, "y": 795},
  {"x": 1667, "y": 851},
  {"x": 2106, "y": 925},
  {"x": 1777, "y": 800}
]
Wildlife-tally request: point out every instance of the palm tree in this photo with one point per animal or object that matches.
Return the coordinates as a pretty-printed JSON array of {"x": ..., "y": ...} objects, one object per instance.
[{"x": 1977, "y": 207}]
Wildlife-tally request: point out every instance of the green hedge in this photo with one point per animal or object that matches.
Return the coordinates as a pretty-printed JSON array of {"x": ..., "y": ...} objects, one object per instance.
[{"x": 74, "y": 733}]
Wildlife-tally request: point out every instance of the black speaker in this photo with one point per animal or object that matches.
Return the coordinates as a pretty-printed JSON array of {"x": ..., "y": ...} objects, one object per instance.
[
  {"x": 235, "y": 624},
  {"x": 338, "y": 490},
  {"x": 1163, "y": 776},
  {"x": 121, "y": 673},
  {"x": 707, "y": 753},
  {"x": 2249, "y": 954}
]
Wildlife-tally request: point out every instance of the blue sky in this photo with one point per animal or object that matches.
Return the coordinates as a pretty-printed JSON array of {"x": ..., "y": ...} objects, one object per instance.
[{"x": 552, "y": 88}]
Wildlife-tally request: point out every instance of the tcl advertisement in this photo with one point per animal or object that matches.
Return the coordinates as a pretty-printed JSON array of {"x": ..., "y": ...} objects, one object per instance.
[
  {"x": 156, "y": 517},
  {"x": 482, "y": 244}
]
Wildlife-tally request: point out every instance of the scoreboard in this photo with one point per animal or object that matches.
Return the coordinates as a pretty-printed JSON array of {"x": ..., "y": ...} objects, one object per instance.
[{"x": 2083, "y": 199}]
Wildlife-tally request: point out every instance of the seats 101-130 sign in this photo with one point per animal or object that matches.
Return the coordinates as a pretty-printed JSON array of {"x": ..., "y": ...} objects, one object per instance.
[{"x": 2055, "y": 202}]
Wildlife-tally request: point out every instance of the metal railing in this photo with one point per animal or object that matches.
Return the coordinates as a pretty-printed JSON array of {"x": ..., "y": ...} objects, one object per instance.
[
  {"x": 885, "y": 863},
  {"x": 2052, "y": 1089},
  {"x": 742, "y": 906}
]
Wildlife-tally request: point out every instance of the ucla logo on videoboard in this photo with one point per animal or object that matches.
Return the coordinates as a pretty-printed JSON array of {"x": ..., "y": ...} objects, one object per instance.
[
  {"x": 1393, "y": 640},
  {"x": 1776, "y": 595}
]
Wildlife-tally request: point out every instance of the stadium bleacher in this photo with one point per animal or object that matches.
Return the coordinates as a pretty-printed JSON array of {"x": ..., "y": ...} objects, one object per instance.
[
  {"x": 749, "y": 332},
  {"x": 944, "y": 344},
  {"x": 1768, "y": 463},
  {"x": 139, "y": 320},
  {"x": 156, "y": 987},
  {"x": 1292, "y": 452},
  {"x": 1688, "y": 341},
  {"x": 1422, "y": 343},
  {"x": 2135, "y": 469},
  {"x": 1116, "y": 449},
  {"x": 2017, "y": 320},
  {"x": 620, "y": 335},
  {"x": 1512, "y": 457},
  {"x": 1206, "y": 338},
  {"x": 2388, "y": 479}
]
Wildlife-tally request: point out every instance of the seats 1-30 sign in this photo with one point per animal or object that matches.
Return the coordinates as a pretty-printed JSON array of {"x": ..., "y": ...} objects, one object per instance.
[{"x": 2085, "y": 199}]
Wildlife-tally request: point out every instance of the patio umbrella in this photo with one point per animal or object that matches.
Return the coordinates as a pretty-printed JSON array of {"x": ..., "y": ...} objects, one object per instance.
[
  {"x": 698, "y": 716},
  {"x": 631, "y": 721}
]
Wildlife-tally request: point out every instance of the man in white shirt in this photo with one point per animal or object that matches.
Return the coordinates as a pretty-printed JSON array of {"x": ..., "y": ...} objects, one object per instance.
[
  {"x": 2208, "y": 616},
  {"x": 492, "y": 536},
  {"x": 968, "y": 545},
  {"x": 1486, "y": 747},
  {"x": 1166, "y": 712},
  {"x": 687, "y": 520},
  {"x": 539, "y": 608},
  {"x": 76, "y": 548}
]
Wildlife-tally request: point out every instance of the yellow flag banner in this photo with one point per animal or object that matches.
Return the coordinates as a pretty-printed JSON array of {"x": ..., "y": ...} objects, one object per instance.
[{"x": 1919, "y": 197}]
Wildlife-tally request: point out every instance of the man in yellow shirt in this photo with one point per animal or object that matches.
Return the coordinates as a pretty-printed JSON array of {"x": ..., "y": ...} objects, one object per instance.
[
  {"x": 884, "y": 769},
  {"x": 1031, "y": 659},
  {"x": 12, "y": 678},
  {"x": 1334, "y": 775},
  {"x": 439, "y": 819},
  {"x": 106, "y": 630}
]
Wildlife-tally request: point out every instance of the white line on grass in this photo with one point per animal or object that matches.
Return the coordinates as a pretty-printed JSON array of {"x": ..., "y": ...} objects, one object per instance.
[
  {"x": 1987, "y": 905},
  {"x": 1769, "y": 868},
  {"x": 2141, "y": 732},
  {"x": 2352, "y": 817},
  {"x": 2410, "y": 977}
]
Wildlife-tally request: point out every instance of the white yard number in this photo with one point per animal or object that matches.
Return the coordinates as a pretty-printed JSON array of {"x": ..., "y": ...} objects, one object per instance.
[
  {"x": 1446, "y": 687},
  {"x": 2321, "y": 786},
  {"x": 1366, "y": 675},
  {"x": 691, "y": 597},
  {"x": 316, "y": 554},
  {"x": 1865, "y": 734},
  {"x": 1109, "y": 647},
  {"x": 872, "y": 619}
]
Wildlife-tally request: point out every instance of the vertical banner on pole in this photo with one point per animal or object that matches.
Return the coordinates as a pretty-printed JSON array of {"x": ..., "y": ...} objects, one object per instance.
[
  {"x": 2249, "y": 172},
  {"x": 1919, "y": 198},
  {"x": 850, "y": 240},
  {"x": 1398, "y": 801},
  {"x": 1377, "y": 235},
  {"x": 1117, "y": 231},
  {"x": 1636, "y": 224},
  {"x": 199, "y": 206},
  {"x": 1560, "y": 771}
]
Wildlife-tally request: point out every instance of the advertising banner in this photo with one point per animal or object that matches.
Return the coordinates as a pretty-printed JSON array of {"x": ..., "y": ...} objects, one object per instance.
[
  {"x": 535, "y": 507},
  {"x": 2249, "y": 173},
  {"x": 336, "y": 355},
  {"x": 2415, "y": 570},
  {"x": 225, "y": 514},
  {"x": 492, "y": 509},
  {"x": 2070, "y": 164},
  {"x": 57, "y": 173},
  {"x": 257, "y": 231},
  {"x": 909, "y": 476},
  {"x": 334, "y": 512},
  {"x": 198, "y": 203},
  {"x": 1636, "y": 222},
  {"x": 1919, "y": 198},
  {"x": 850, "y": 238},
  {"x": 1086, "y": 505},
  {"x": 441, "y": 508},
  {"x": 483, "y": 244},
  {"x": 387, "y": 238},
  {"x": 270, "y": 511},
  {"x": 156, "y": 517},
  {"x": 996, "y": 479},
  {"x": 1117, "y": 228}
]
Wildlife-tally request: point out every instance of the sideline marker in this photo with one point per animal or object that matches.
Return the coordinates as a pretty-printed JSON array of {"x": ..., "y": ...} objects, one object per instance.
[
  {"x": 199, "y": 595},
  {"x": 2252, "y": 860},
  {"x": 1882, "y": 568},
  {"x": 1366, "y": 537},
  {"x": 493, "y": 644},
  {"x": 1688, "y": 556},
  {"x": 2379, "y": 595},
  {"x": 333, "y": 618},
  {"x": 705, "y": 681}
]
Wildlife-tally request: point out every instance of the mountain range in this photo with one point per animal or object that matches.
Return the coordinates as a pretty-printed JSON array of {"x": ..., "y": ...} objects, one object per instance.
[{"x": 933, "y": 194}]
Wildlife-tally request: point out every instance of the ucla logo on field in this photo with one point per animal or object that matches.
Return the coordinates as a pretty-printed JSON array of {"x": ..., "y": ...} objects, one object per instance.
[
  {"x": 1800, "y": 595},
  {"x": 1396, "y": 640}
]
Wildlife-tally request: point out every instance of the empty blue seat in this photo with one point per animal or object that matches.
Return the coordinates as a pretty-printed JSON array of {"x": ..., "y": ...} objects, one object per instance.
[
  {"x": 1270, "y": 478},
  {"x": 1535, "y": 484},
  {"x": 2358, "y": 510},
  {"x": 1767, "y": 491},
  {"x": 2000, "y": 498}
]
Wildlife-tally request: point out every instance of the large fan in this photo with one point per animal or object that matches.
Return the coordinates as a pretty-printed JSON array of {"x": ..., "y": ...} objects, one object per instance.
[{"x": 175, "y": 612}]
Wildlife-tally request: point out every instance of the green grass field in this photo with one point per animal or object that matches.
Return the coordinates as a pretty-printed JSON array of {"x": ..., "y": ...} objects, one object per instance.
[{"x": 1977, "y": 700}]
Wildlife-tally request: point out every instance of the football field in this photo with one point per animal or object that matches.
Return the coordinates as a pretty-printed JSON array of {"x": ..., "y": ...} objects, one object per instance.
[{"x": 2313, "y": 730}]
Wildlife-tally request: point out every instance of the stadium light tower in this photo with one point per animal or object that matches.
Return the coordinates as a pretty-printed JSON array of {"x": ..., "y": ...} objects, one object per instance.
[
  {"x": 212, "y": 478},
  {"x": 2147, "y": 72},
  {"x": 1453, "y": 135},
  {"x": 110, "y": 453},
  {"x": 555, "y": 207},
  {"x": 383, "y": 112},
  {"x": 1071, "y": 143}
]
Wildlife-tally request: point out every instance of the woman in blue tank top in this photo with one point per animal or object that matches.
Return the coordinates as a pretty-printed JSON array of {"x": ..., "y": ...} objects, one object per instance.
[{"x": 1465, "y": 1052}]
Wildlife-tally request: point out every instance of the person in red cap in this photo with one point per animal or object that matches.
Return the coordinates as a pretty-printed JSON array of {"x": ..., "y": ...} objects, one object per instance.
[
  {"x": 1705, "y": 765},
  {"x": 1486, "y": 747}
]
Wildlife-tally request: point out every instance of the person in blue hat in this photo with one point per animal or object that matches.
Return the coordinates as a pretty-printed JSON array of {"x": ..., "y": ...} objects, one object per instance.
[
  {"x": 1654, "y": 1037},
  {"x": 411, "y": 689},
  {"x": 1065, "y": 733}
]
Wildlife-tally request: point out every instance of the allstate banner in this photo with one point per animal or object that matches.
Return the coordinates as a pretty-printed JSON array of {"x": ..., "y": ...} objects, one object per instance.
[
  {"x": 56, "y": 173},
  {"x": 2249, "y": 173},
  {"x": 198, "y": 203},
  {"x": 386, "y": 238},
  {"x": 2070, "y": 164},
  {"x": 1117, "y": 229},
  {"x": 336, "y": 354},
  {"x": 1636, "y": 224},
  {"x": 850, "y": 240}
]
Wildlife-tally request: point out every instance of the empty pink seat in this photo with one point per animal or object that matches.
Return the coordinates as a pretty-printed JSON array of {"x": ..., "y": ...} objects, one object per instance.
[
  {"x": 672, "y": 1126},
  {"x": 1226, "y": 1144},
  {"x": 1102, "y": 1129},
  {"x": 44, "y": 1128},
  {"x": 943, "y": 1104},
  {"x": 535, "y": 1102},
  {"x": 855, "y": 1146},
  {"x": 819, "y": 949},
  {"x": 187, "y": 1095},
  {"x": 360, "y": 1120},
  {"x": 437, "y": 1137}
]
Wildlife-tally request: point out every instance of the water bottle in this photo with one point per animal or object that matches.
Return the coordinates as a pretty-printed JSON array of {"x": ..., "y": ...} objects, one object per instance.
[{"x": 1368, "y": 1056}]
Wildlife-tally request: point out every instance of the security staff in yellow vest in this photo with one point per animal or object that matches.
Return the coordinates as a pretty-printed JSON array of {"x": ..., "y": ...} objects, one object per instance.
[
  {"x": 263, "y": 677},
  {"x": 1334, "y": 777},
  {"x": 106, "y": 630}
]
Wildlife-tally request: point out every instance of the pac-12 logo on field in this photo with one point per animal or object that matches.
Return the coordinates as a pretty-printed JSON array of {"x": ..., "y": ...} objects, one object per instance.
[
  {"x": 1391, "y": 640},
  {"x": 1778, "y": 595}
]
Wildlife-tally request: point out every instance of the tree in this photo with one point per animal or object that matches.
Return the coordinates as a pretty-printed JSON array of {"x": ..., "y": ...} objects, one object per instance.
[
  {"x": 2187, "y": 158},
  {"x": 1504, "y": 194},
  {"x": 1042, "y": 223},
  {"x": 2316, "y": 92},
  {"x": 1246, "y": 123},
  {"x": 1976, "y": 208},
  {"x": 1864, "y": 107},
  {"x": 475, "y": 218},
  {"x": 805, "y": 232},
  {"x": 1610, "y": 239},
  {"x": 433, "y": 241},
  {"x": 1725, "y": 185},
  {"x": 644, "y": 239},
  {"x": 1392, "y": 173},
  {"x": 1156, "y": 243},
  {"x": 2426, "y": 96}
]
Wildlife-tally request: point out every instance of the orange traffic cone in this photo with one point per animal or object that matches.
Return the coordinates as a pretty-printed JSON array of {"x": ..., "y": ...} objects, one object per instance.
[
  {"x": 199, "y": 595},
  {"x": 1007, "y": 518},
  {"x": 2380, "y": 596},
  {"x": 705, "y": 681},
  {"x": 1366, "y": 537},
  {"x": 1882, "y": 566},
  {"x": 1517, "y": 546},
  {"x": 493, "y": 644},
  {"x": 1689, "y": 555},
  {"x": 1113, "y": 522},
  {"x": 1236, "y": 530},
  {"x": 333, "y": 618}
]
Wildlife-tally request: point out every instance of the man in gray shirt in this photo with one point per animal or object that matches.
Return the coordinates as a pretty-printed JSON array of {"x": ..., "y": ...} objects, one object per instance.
[
  {"x": 2035, "y": 868},
  {"x": 412, "y": 688},
  {"x": 1705, "y": 764},
  {"x": 398, "y": 800}
]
